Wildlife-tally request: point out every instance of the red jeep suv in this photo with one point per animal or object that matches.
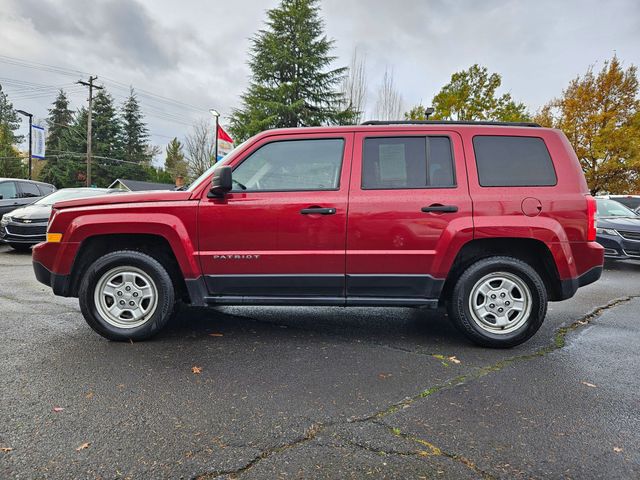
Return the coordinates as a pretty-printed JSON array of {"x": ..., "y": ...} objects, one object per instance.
[{"x": 491, "y": 219}]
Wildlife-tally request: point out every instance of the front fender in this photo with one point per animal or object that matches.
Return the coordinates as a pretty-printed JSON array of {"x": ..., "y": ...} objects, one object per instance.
[{"x": 179, "y": 232}]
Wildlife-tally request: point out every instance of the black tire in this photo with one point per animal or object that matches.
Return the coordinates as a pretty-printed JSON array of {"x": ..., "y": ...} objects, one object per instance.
[
  {"x": 460, "y": 311},
  {"x": 162, "y": 281},
  {"x": 20, "y": 247}
]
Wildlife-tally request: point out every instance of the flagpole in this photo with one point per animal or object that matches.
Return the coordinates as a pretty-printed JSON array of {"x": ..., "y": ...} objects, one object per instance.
[{"x": 216, "y": 115}]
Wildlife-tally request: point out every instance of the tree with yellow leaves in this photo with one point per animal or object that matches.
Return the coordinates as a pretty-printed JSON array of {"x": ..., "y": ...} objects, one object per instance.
[{"x": 600, "y": 114}]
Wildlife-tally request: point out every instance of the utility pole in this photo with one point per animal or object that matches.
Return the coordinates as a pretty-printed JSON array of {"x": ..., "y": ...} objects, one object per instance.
[
  {"x": 27, "y": 114},
  {"x": 91, "y": 86}
]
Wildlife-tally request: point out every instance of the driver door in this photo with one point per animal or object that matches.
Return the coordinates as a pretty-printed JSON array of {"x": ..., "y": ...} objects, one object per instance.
[{"x": 280, "y": 234}]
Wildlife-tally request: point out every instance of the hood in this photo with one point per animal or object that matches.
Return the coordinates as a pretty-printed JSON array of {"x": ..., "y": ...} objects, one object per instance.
[
  {"x": 626, "y": 224},
  {"x": 133, "y": 197},
  {"x": 32, "y": 212}
]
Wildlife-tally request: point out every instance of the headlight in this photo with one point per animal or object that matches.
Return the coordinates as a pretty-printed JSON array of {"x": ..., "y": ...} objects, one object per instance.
[
  {"x": 606, "y": 231},
  {"x": 5, "y": 220}
]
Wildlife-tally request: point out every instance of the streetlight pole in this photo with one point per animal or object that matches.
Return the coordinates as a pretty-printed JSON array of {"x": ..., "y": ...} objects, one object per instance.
[
  {"x": 27, "y": 114},
  {"x": 216, "y": 116}
]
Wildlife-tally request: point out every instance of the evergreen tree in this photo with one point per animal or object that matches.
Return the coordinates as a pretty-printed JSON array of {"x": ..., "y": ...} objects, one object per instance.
[
  {"x": 175, "y": 163},
  {"x": 58, "y": 122},
  {"x": 135, "y": 133},
  {"x": 291, "y": 83},
  {"x": 59, "y": 164},
  {"x": 107, "y": 141},
  {"x": 10, "y": 162}
]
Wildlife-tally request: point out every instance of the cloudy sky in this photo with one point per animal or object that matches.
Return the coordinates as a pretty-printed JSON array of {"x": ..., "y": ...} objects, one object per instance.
[{"x": 184, "y": 57}]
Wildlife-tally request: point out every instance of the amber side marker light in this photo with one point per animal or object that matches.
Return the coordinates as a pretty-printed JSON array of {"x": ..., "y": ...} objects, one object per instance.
[{"x": 54, "y": 237}]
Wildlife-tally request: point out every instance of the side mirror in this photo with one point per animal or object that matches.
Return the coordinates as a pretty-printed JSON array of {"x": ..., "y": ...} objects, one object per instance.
[
  {"x": 221, "y": 182},
  {"x": 1, "y": 196}
]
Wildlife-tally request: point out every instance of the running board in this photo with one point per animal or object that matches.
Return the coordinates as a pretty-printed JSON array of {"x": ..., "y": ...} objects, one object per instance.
[{"x": 324, "y": 301}]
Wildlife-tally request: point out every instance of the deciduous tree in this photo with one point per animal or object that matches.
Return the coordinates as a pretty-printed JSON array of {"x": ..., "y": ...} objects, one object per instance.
[
  {"x": 389, "y": 103},
  {"x": 472, "y": 95},
  {"x": 200, "y": 146},
  {"x": 600, "y": 114}
]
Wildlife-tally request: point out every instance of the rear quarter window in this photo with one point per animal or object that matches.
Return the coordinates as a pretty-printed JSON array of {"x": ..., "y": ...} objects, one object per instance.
[{"x": 505, "y": 161}]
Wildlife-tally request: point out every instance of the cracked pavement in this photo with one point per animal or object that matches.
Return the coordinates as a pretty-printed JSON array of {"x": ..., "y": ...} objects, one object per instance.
[{"x": 318, "y": 392}]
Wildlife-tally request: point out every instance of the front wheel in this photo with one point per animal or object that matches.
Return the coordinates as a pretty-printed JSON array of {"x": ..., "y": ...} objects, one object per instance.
[
  {"x": 126, "y": 295},
  {"x": 499, "y": 302}
]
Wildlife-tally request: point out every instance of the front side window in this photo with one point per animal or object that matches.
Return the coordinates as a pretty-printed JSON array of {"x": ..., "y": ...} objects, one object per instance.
[
  {"x": 407, "y": 162},
  {"x": 29, "y": 190},
  {"x": 291, "y": 165},
  {"x": 504, "y": 161},
  {"x": 8, "y": 190}
]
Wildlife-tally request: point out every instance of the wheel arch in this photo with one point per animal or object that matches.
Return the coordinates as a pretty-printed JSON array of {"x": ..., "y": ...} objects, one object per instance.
[
  {"x": 533, "y": 252},
  {"x": 153, "y": 245}
]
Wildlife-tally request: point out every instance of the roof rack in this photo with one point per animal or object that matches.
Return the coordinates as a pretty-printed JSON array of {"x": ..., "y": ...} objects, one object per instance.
[{"x": 449, "y": 122}]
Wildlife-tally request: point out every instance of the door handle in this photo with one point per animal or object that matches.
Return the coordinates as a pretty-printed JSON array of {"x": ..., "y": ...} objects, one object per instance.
[
  {"x": 437, "y": 208},
  {"x": 318, "y": 211}
]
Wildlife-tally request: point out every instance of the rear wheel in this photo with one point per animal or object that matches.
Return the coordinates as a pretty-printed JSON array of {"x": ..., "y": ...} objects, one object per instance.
[
  {"x": 127, "y": 295},
  {"x": 499, "y": 302}
]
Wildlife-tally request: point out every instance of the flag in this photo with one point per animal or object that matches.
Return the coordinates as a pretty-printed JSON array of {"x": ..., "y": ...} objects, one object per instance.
[{"x": 224, "y": 136}]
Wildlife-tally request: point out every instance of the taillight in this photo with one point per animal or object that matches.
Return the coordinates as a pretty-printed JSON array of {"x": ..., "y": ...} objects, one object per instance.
[{"x": 591, "y": 218}]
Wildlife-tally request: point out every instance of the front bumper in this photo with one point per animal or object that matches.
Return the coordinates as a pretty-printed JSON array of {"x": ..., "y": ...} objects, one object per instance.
[
  {"x": 23, "y": 234},
  {"x": 60, "y": 284},
  {"x": 620, "y": 248}
]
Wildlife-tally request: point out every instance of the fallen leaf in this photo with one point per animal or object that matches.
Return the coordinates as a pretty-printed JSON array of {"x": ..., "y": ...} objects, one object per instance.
[
  {"x": 454, "y": 360},
  {"x": 58, "y": 409},
  {"x": 589, "y": 384},
  {"x": 216, "y": 335},
  {"x": 384, "y": 375},
  {"x": 196, "y": 370},
  {"x": 6, "y": 449},
  {"x": 83, "y": 446},
  {"x": 617, "y": 449},
  {"x": 89, "y": 395}
]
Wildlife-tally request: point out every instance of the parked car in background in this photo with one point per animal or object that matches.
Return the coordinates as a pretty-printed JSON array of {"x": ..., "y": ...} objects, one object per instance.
[
  {"x": 26, "y": 226},
  {"x": 629, "y": 201},
  {"x": 618, "y": 229},
  {"x": 15, "y": 193}
]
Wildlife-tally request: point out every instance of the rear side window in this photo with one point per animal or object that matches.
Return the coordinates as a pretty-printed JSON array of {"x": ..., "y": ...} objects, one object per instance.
[
  {"x": 29, "y": 190},
  {"x": 504, "y": 161},
  {"x": 407, "y": 162},
  {"x": 46, "y": 189}
]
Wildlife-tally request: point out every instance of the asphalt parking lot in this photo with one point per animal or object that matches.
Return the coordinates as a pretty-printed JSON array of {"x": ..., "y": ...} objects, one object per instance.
[{"x": 318, "y": 393}]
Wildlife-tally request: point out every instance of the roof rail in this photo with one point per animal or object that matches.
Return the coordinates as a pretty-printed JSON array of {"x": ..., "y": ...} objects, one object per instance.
[{"x": 449, "y": 122}]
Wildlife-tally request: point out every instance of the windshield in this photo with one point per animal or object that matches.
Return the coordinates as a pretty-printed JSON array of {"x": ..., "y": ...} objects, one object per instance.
[
  {"x": 69, "y": 194},
  {"x": 209, "y": 170},
  {"x": 611, "y": 208}
]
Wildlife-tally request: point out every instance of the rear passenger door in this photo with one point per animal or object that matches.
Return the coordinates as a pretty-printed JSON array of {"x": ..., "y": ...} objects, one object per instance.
[
  {"x": 29, "y": 193},
  {"x": 409, "y": 198}
]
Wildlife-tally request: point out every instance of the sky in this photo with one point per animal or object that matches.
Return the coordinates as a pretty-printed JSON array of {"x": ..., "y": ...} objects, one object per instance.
[{"x": 184, "y": 58}]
